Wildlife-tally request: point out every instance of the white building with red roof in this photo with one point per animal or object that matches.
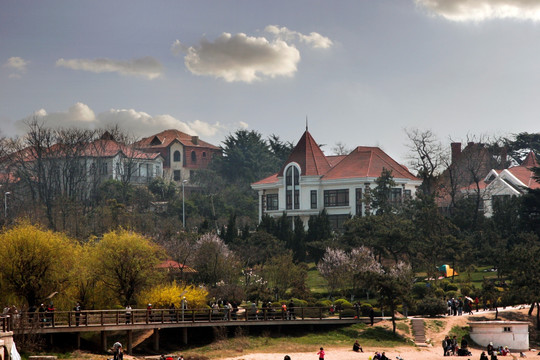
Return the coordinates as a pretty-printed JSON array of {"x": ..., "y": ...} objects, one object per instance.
[
  {"x": 503, "y": 184},
  {"x": 182, "y": 153},
  {"x": 310, "y": 181}
]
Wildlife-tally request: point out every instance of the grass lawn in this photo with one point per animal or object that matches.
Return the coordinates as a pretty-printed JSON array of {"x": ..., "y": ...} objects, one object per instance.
[{"x": 301, "y": 341}]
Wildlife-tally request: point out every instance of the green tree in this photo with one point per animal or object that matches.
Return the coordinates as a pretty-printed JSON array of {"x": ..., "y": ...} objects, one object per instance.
[
  {"x": 126, "y": 263},
  {"x": 381, "y": 201}
]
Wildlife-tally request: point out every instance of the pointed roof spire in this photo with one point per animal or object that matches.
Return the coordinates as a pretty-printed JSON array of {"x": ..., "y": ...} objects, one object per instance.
[
  {"x": 306, "y": 124},
  {"x": 530, "y": 160},
  {"x": 309, "y": 156}
]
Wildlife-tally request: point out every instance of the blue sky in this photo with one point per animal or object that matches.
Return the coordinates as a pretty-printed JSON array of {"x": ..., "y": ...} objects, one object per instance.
[{"x": 361, "y": 71}]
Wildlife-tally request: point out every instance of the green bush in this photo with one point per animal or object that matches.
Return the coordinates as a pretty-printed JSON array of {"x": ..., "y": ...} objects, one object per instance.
[
  {"x": 451, "y": 294},
  {"x": 343, "y": 303},
  {"x": 431, "y": 306},
  {"x": 324, "y": 303},
  {"x": 466, "y": 290},
  {"x": 420, "y": 290},
  {"x": 439, "y": 293},
  {"x": 365, "y": 308},
  {"x": 299, "y": 303},
  {"x": 451, "y": 287},
  {"x": 348, "y": 313}
]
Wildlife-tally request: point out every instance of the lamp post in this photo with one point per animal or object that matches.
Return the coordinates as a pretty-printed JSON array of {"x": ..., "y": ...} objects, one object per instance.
[
  {"x": 5, "y": 202},
  {"x": 183, "y": 205}
]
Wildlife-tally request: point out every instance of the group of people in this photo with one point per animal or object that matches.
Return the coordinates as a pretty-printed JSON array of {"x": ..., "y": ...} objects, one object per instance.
[
  {"x": 450, "y": 346},
  {"x": 458, "y": 306},
  {"x": 493, "y": 351}
]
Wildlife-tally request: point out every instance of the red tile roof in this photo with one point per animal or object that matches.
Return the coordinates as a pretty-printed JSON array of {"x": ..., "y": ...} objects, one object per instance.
[
  {"x": 269, "y": 180},
  {"x": 366, "y": 161},
  {"x": 166, "y": 137},
  {"x": 309, "y": 156},
  {"x": 524, "y": 173},
  {"x": 171, "y": 264},
  {"x": 362, "y": 162}
]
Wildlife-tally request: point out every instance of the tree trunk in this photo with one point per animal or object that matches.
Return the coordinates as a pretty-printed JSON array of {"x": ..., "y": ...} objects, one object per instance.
[
  {"x": 538, "y": 316},
  {"x": 531, "y": 309}
]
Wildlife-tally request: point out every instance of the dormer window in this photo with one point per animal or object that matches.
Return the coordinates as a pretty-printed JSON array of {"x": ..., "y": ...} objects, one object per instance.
[
  {"x": 292, "y": 188},
  {"x": 177, "y": 156},
  {"x": 155, "y": 141}
]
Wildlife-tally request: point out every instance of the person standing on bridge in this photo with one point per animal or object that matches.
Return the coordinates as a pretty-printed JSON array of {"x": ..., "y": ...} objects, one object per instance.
[
  {"x": 128, "y": 314},
  {"x": 292, "y": 316},
  {"x": 77, "y": 310}
]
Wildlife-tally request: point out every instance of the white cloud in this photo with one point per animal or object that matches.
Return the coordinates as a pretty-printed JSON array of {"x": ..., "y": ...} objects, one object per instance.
[
  {"x": 137, "y": 123},
  {"x": 16, "y": 64},
  {"x": 314, "y": 39},
  {"x": 480, "y": 10},
  {"x": 147, "y": 67},
  {"x": 247, "y": 58},
  {"x": 241, "y": 58}
]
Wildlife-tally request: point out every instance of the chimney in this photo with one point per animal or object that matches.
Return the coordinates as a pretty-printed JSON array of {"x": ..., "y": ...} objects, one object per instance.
[
  {"x": 456, "y": 151},
  {"x": 504, "y": 157},
  {"x": 195, "y": 140}
]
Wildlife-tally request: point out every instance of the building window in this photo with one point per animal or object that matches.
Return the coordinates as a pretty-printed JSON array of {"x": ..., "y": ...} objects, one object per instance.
[
  {"x": 177, "y": 156},
  {"x": 313, "y": 199},
  {"x": 407, "y": 195},
  {"x": 104, "y": 169},
  {"x": 292, "y": 186},
  {"x": 272, "y": 202},
  {"x": 336, "y": 197},
  {"x": 149, "y": 170},
  {"x": 176, "y": 175},
  {"x": 204, "y": 154},
  {"x": 193, "y": 157},
  {"x": 507, "y": 329},
  {"x": 395, "y": 195},
  {"x": 337, "y": 221},
  {"x": 359, "y": 202}
]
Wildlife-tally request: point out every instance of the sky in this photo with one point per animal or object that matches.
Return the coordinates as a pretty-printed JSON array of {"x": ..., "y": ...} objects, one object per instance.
[{"x": 361, "y": 72}]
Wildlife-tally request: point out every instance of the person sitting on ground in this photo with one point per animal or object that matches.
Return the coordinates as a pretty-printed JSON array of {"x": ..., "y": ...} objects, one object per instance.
[
  {"x": 504, "y": 351},
  {"x": 522, "y": 354},
  {"x": 357, "y": 347},
  {"x": 383, "y": 356},
  {"x": 483, "y": 356},
  {"x": 287, "y": 357}
]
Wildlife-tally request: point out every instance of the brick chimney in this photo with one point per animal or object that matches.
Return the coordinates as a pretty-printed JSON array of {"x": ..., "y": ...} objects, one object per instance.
[
  {"x": 456, "y": 151},
  {"x": 195, "y": 140}
]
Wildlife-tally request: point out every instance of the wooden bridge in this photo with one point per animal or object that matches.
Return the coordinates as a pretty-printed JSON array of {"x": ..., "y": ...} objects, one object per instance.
[{"x": 142, "y": 319}]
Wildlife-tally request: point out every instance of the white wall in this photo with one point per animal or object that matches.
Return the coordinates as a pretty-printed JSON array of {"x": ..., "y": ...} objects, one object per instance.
[{"x": 484, "y": 332}]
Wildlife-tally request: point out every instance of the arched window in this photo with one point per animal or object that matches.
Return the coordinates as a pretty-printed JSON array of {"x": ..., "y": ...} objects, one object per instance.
[
  {"x": 176, "y": 156},
  {"x": 193, "y": 157},
  {"x": 204, "y": 154},
  {"x": 292, "y": 187}
]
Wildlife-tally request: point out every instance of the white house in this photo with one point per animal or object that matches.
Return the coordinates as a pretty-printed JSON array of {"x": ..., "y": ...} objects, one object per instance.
[
  {"x": 310, "y": 181},
  {"x": 514, "y": 181},
  {"x": 514, "y": 334}
]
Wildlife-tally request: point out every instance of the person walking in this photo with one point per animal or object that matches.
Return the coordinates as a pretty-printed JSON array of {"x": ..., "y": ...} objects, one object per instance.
[{"x": 321, "y": 354}]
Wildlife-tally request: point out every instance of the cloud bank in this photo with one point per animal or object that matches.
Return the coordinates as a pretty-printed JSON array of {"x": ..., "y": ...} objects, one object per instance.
[
  {"x": 137, "y": 123},
  {"x": 18, "y": 65},
  {"x": 481, "y": 10},
  {"x": 146, "y": 67},
  {"x": 243, "y": 58}
]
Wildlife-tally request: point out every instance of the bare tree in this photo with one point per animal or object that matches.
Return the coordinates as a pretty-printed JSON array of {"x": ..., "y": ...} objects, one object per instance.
[
  {"x": 341, "y": 149},
  {"x": 426, "y": 157}
]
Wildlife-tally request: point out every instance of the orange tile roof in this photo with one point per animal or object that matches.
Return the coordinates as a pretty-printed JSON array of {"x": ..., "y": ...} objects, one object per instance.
[
  {"x": 166, "y": 137},
  {"x": 171, "y": 264},
  {"x": 309, "y": 156},
  {"x": 366, "y": 161},
  {"x": 269, "y": 180},
  {"x": 524, "y": 173}
]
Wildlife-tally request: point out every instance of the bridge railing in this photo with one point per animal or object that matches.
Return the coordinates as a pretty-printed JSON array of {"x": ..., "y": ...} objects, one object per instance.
[{"x": 89, "y": 318}]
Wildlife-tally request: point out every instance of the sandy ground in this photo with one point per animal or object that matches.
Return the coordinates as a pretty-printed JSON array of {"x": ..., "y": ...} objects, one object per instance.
[{"x": 407, "y": 352}]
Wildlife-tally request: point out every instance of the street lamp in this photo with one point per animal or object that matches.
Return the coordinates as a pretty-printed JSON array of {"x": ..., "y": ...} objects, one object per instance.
[
  {"x": 5, "y": 202},
  {"x": 183, "y": 205}
]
